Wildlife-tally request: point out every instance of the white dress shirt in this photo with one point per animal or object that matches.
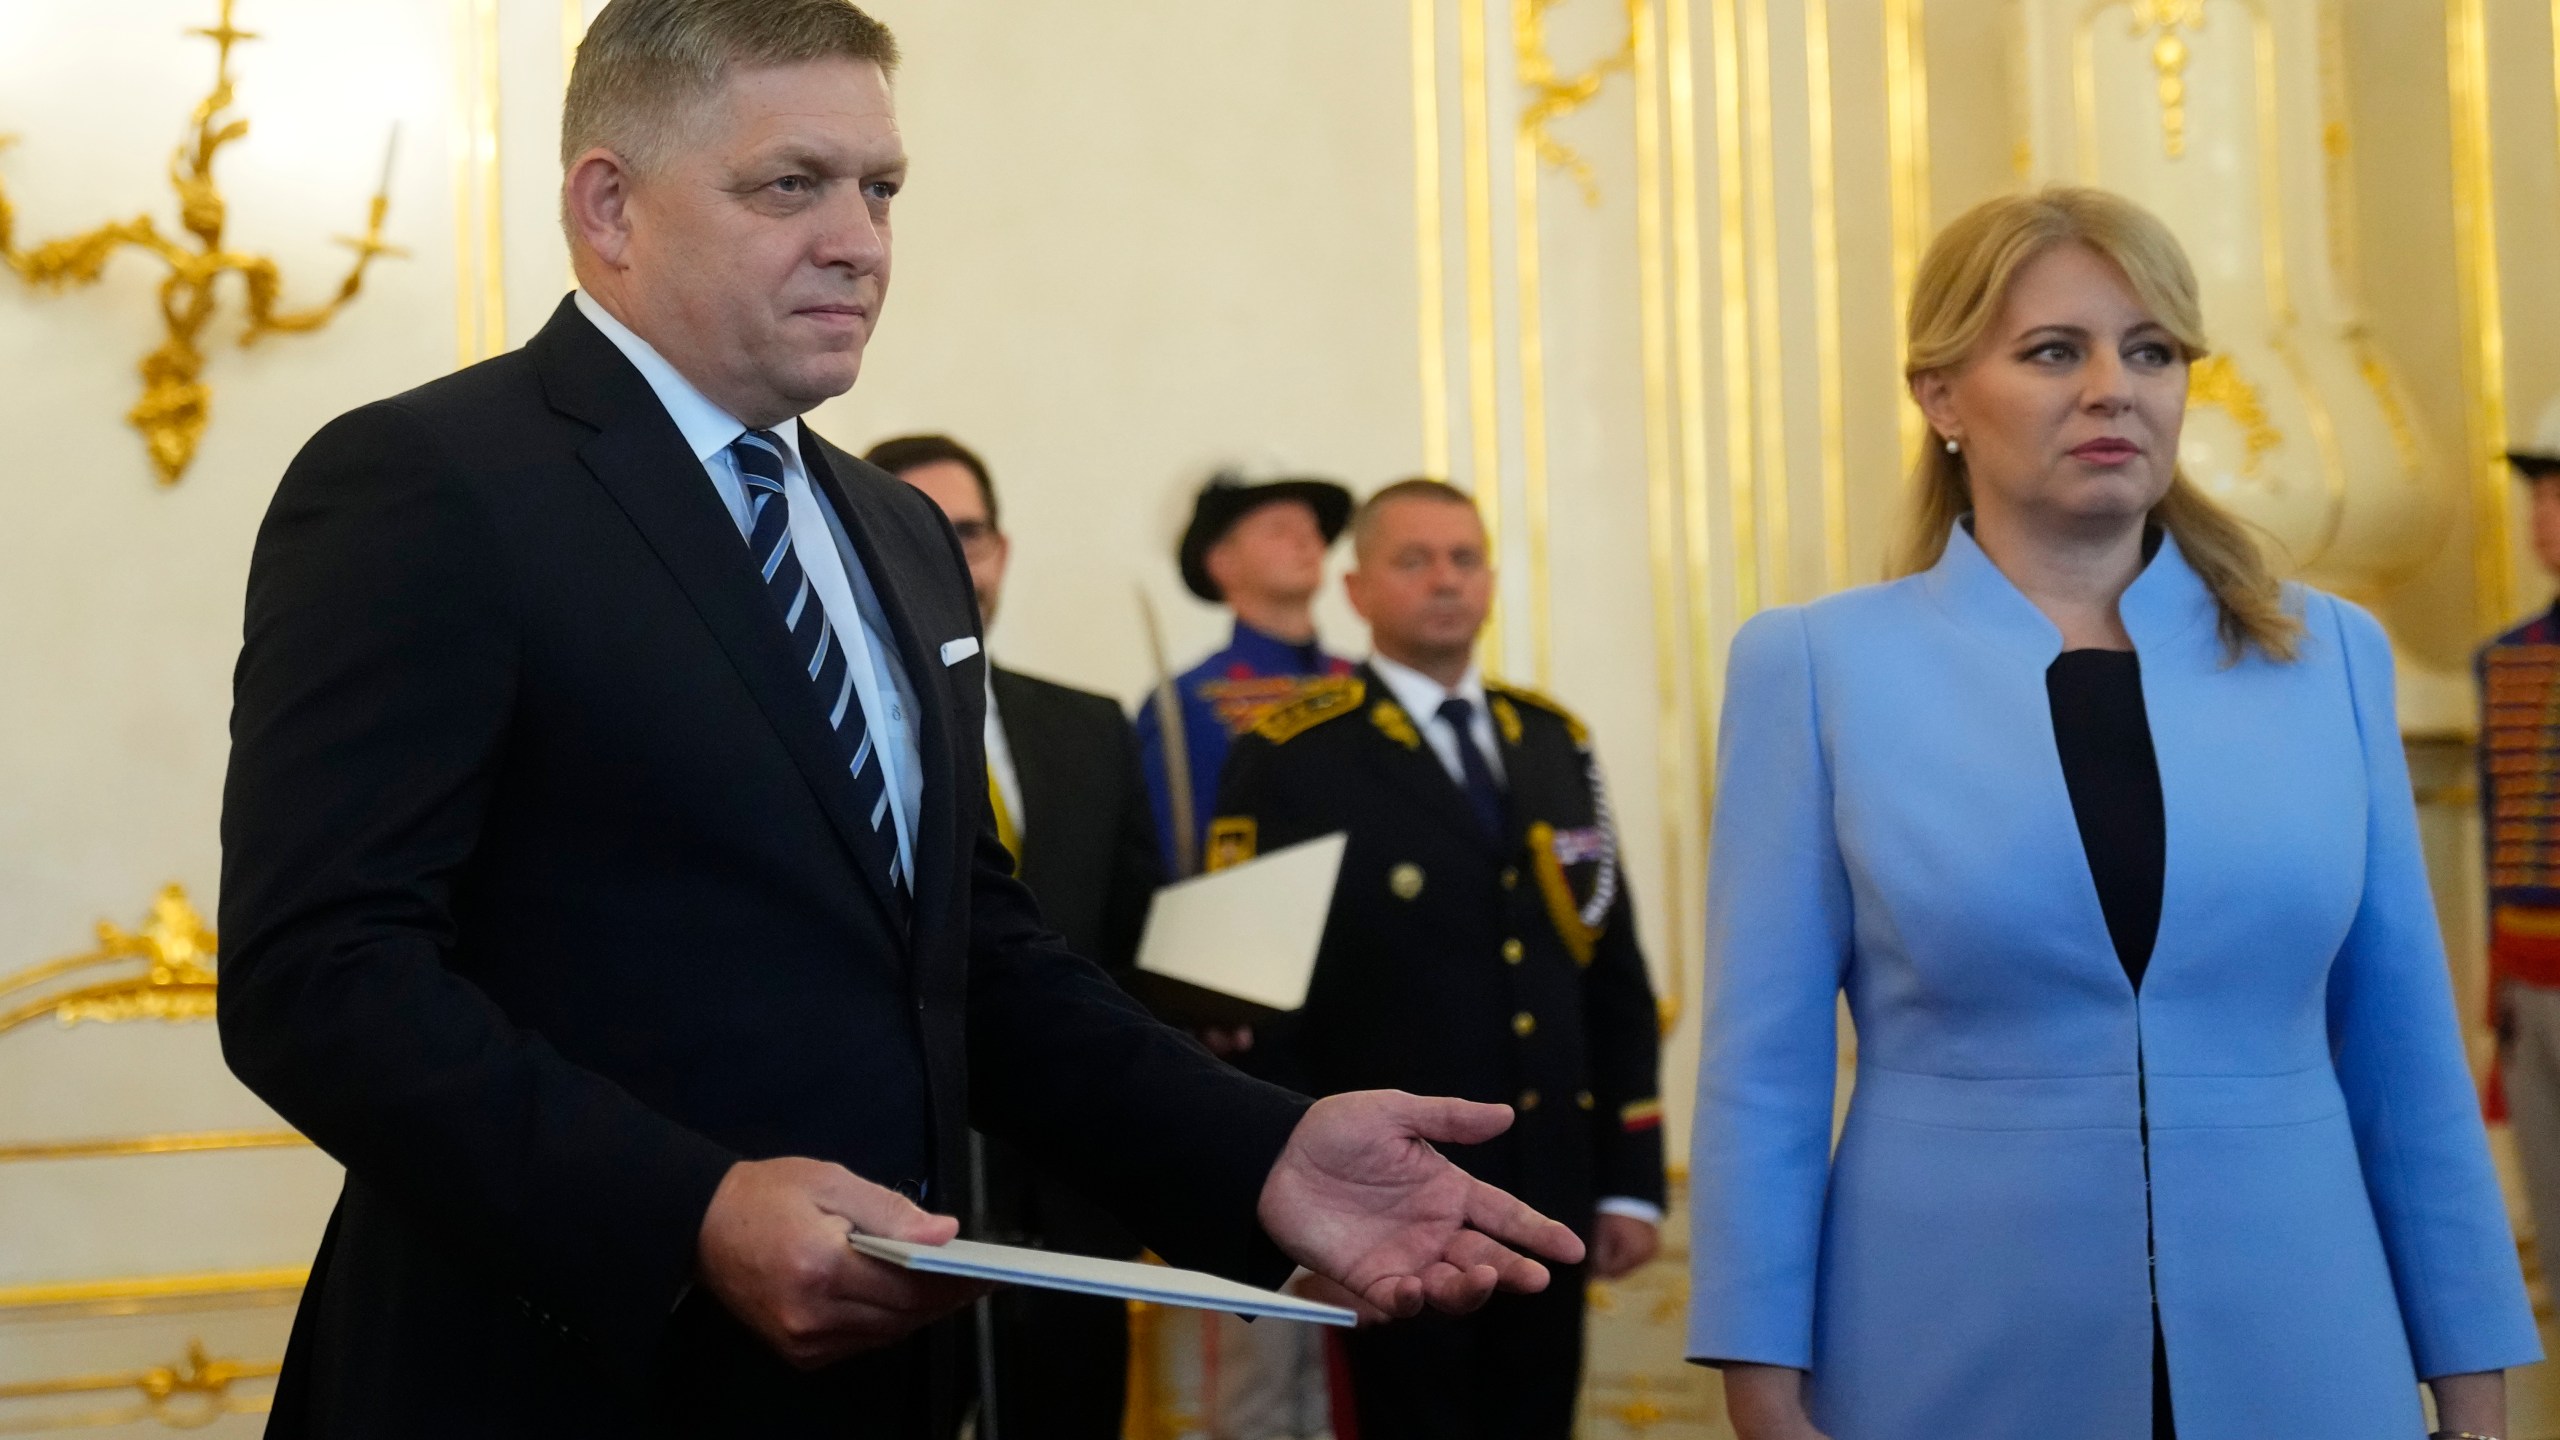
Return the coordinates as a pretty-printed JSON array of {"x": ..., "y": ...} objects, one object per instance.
[
  {"x": 826, "y": 557},
  {"x": 1421, "y": 696}
]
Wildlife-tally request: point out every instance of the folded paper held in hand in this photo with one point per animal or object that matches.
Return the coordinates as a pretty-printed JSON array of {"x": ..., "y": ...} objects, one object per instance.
[
  {"x": 1247, "y": 934},
  {"x": 1087, "y": 1275}
]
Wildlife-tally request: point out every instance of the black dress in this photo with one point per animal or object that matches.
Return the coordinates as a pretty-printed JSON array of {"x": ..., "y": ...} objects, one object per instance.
[{"x": 2104, "y": 738}]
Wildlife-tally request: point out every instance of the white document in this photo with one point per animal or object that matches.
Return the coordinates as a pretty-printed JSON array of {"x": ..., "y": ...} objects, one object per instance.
[
  {"x": 1250, "y": 931},
  {"x": 1086, "y": 1275}
]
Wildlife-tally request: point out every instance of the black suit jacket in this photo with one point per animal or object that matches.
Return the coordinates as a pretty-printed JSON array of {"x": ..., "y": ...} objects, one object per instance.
[
  {"x": 1089, "y": 856},
  {"x": 1089, "y": 850},
  {"x": 539, "y": 911},
  {"x": 1455, "y": 961}
]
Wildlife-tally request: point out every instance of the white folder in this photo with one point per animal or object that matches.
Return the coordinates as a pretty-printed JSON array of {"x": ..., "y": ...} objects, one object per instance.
[
  {"x": 1251, "y": 930},
  {"x": 1086, "y": 1275}
]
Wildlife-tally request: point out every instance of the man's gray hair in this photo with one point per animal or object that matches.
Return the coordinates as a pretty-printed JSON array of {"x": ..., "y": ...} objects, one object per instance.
[{"x": 647, "y": 66}]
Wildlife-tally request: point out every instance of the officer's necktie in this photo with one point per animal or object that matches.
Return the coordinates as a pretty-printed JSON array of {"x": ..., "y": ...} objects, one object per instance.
[
  {"x": 816, "y": 645},
  {"x": 1484, "y": 793},
  {"x": 1009, "y": 833}
]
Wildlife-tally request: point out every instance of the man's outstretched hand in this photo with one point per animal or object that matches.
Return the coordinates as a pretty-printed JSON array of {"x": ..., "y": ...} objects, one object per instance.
[{"x": 1361, "y": 1198}]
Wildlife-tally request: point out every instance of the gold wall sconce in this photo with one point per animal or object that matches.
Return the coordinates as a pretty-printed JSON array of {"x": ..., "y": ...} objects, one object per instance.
[{"x": 175, "y": 402}]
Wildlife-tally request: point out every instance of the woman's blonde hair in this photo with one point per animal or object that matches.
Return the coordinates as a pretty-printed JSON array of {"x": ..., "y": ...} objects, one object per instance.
[{"x": 1958, "y": 295}]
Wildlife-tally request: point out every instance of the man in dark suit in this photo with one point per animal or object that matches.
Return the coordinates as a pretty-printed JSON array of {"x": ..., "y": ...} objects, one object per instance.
[
  {"x": 1480, "y": 944},
  {"x": 617, "y": 900},
  {"x": 1064, "y": 790}
]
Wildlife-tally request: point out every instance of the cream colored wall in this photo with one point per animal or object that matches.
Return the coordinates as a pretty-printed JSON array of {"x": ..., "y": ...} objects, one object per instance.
[{"x": 1145, "y": 239}]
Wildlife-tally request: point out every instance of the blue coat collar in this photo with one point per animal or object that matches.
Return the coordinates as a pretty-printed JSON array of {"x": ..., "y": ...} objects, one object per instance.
[{"x": 2163, "y": 603}]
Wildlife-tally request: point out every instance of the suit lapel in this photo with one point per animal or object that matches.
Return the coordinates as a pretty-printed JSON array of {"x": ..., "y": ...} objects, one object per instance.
[
  {"x": 643, "y": 463},
  {"x": 1407, "y": 761},
  {"x": 888, "y": 557}
]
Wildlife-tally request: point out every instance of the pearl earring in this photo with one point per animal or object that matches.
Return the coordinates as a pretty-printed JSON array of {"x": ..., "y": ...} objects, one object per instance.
[{"x": 1952, "y": 447}]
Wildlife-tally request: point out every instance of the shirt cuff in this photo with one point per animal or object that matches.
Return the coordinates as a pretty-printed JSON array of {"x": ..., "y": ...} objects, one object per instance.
[{"x": 1633, "y": 1209}]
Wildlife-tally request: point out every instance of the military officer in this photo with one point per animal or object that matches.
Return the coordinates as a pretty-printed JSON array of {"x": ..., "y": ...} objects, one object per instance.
[
  {"x": 2519, "y": 675},
  {"x": 1258, "y": 550},
  {"x": 1480, "y": 943}
]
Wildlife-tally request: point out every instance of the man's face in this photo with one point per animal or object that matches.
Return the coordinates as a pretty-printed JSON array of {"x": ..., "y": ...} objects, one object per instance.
[
  {"x": 1276, "y": 551},
  {"x": 956, "y": 490},
  {"x": 757, "y": 257},
  {"x": 1424, "y": 581}
]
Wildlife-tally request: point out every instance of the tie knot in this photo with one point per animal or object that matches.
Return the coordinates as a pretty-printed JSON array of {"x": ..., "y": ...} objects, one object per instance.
[
  {"x": 759, "y": 457},
  {"x": 1458, "y": 711}
]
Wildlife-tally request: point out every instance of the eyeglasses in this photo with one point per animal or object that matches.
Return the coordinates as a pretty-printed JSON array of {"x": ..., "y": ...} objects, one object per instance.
[{"x": 978, "y": 539}]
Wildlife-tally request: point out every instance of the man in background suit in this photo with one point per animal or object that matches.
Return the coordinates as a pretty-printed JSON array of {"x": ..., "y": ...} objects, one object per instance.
[
  {"x": 1481, "y": 943},
  {"x": 1063, "y": 786},
  {"x": 607, "y": 875}
]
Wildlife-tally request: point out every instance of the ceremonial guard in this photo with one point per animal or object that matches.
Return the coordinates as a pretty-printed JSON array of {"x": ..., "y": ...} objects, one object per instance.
[
  {"x": 1062, "y": 783},
  {"x": 1258, "y": 550},
  {"x": 1481, "y": 943},
  {"x": 2520, "y": 803}
]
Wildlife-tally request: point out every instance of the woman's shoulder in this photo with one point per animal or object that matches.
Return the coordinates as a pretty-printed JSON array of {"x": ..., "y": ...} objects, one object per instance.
[
  {"x": 1858, "y": 616},
  {"x": 2335, "y": 629}
]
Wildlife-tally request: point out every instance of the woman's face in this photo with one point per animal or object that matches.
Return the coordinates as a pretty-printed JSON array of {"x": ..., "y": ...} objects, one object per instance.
[{"x": 2069, "y": 408}]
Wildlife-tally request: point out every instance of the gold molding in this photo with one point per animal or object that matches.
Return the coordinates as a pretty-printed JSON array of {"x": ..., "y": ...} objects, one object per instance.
[
  {"x": 479, "y": 231},
  {"x": 1483, "y": 377},
  {"x": 1906, "y": 85},
  {"x": 1733, "y": 275},
  {"x": 1689, "y": 329},
  {"x": 185, "y": 1396},
  {"x": 145, "y": 1288},
  {"x": 1552, "y": 97},
  {"x": 2475, "y": 229},
  {"x": 2161, "y": 20},
  {"x": 1827, "y": 339},
  {"x": 180, "y": 1143},
  {"x": 2215, "y": 383},
  {"x": 1662, "y": 516},
  {"x": 175, "y": 949},
  {"x": 176, "y": 404},
  {"x": 1770, "y": 483},
  {"x": 1430, "y": 240}
]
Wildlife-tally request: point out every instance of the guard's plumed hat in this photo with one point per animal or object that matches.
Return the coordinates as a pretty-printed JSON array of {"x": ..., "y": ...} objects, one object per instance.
[
  {"x": 2543, "y": 456},
  {"x": 1228, "y": 498}
]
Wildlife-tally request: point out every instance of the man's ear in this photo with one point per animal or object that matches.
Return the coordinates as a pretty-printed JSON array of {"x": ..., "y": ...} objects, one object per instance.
[
  {"x": 596, "y": 199},
  {"x": 1354, "y": 589}
]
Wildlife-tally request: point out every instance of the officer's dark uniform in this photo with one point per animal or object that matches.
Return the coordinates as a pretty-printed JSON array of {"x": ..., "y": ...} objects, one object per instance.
[{"x": 1458, "y": 961}]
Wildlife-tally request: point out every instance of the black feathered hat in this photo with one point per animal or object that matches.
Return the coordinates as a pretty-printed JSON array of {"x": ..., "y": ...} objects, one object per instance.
[{"x": 1228, "y": 498}]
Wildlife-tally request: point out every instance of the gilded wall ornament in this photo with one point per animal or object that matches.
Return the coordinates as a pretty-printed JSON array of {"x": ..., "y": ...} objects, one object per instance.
[
  {"x": 174, "y": 952},
  {"x": 175, "y": 402}
]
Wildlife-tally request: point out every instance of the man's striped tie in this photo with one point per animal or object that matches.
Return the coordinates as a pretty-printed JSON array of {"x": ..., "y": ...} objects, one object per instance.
[{"x": 814, "y": 642}]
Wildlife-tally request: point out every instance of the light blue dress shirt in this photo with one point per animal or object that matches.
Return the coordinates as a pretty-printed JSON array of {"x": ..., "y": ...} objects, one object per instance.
[{"x": 835, "y": 572}]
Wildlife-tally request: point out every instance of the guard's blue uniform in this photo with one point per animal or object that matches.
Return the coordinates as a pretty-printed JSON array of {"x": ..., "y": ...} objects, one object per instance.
[{"x": 1222, "y": 697}]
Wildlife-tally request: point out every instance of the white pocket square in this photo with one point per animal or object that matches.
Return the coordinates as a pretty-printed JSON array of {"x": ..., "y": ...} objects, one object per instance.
[{"x": 955, "y": 651}]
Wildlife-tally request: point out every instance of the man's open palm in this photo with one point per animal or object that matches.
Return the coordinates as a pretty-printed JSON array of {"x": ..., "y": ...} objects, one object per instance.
[{"x": 1361, "y": 1197}]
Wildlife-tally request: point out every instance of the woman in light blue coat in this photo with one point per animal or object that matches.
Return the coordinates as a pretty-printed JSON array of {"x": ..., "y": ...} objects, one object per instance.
[{"x": 2161, "y": 1121}]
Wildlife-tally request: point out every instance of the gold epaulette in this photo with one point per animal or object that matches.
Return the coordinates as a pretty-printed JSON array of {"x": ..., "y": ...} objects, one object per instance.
[
  {"x": 1573, "y": 725},
  {"x": 1329, "y": 698}
]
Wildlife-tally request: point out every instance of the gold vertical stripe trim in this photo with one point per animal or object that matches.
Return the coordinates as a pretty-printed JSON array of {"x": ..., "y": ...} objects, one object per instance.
[
  {"x": 1906, "y": 115},
  {"x": 459, "y": 136},
  {"x": 1430, "y": 238},
  {"x": 1733, "y": 270},
  {"x": 1689, "y": 359},
  {"x": 1771, "y": 484},
  {"x": 1826, "y": 294},
  {"x": 493, "y": 264},
  {"x": 1533, "y": 368},
  {"x": 1483, "y": 396},
  {"x": 1661, "y": 489},
  {"x": 2475, "y": 228}
]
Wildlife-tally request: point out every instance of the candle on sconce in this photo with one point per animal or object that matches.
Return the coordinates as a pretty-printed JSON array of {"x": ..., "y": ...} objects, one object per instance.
[{"x": 390, "y": 153}]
